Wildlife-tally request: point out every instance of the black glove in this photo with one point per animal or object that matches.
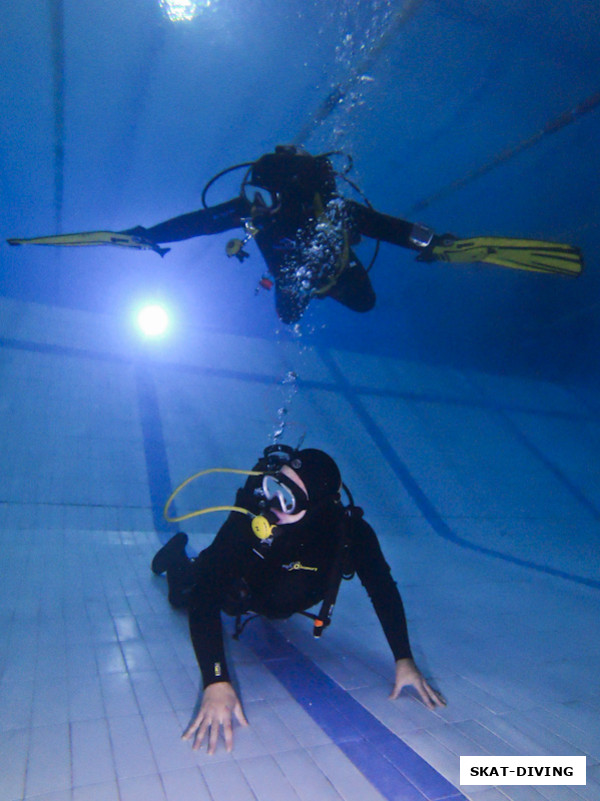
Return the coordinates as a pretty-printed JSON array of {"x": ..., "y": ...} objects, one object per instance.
[
  {"x": 139, "y": 231},
  {"x": 427, "y": 253}
]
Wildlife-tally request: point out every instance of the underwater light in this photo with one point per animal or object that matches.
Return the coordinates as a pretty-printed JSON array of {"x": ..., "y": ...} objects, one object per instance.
[
  {"x": 153, "y": 320},
  {"x": 184, "y": 10}
]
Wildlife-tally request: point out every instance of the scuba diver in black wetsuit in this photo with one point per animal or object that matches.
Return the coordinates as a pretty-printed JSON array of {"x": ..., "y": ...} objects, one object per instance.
[
  {"x": 305, "y": 230},
  {"x": 285, "y": 547},
  {"x": 289, "y": 204}
]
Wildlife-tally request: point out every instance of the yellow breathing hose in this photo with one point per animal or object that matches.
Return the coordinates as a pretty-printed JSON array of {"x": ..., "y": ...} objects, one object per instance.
[
  {"x": 208, "y": 509},
  {"x": 261, "y": 527}
]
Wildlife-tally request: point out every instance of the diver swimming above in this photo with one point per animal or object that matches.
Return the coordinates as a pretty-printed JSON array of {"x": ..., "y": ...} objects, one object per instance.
[
  {"x": 290, "y": 204},
  {"x": 286, "y": 546}
]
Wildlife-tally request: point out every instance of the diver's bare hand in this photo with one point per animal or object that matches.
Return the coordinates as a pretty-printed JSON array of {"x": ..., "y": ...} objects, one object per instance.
[
  {"x": 409, "y": 675},
  {"x": 219, "y": 704}
]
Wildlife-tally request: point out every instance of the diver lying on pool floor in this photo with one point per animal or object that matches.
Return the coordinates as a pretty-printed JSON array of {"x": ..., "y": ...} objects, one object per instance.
[{"x": 284, "y": 548}]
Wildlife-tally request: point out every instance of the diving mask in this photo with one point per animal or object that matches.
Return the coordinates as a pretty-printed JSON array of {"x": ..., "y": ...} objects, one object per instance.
[
  {"x": 262, "y": 200},
  {"x": 285, "y": 492}
]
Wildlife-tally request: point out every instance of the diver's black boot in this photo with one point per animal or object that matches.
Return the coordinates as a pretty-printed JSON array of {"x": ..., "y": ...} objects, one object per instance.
[
  {"x": 170, "y": 554},
  {"x": 180, "y": 579}
]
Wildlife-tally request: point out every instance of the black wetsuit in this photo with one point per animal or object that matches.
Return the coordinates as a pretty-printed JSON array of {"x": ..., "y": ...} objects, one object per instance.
[
  {"x": 305, "y": 239},
  {"x": 238, "y": 573}
]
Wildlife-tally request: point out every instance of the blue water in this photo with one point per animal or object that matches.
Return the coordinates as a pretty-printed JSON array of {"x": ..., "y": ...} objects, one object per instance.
[
  {"x": 463, "y": 410},
  {"x": 116, "y": 117}
]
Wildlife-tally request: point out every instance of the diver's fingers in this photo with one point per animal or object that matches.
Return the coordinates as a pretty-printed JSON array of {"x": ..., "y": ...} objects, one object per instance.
[
  {"x": 213, "y": 737},
  {"x": 228, "y": 734},
  {"x": 239, "y": 714},
  {"x": 193, "y": 726}
]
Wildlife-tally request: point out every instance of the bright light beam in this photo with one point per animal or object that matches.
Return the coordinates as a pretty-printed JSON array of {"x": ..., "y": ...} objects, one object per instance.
[
  {"x": 183, "y": 10},
  {"x": 153, "y": 320}
]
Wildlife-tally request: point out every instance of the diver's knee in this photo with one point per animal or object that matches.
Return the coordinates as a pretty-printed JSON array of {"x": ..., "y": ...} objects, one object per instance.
[
  {"x": 370, "y": 302},
  {"x": 364, "y": 303}
]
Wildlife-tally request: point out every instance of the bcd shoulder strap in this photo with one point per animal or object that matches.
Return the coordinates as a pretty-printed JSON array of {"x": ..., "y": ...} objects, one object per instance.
[{"x": 337, "y": 573}]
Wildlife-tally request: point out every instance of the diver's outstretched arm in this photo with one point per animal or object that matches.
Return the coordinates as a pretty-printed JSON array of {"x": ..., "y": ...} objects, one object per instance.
[
  {"x": 212, "y": 220},
  {"x": 368, "y": 222},
  {"x": 531, "y": 255}
]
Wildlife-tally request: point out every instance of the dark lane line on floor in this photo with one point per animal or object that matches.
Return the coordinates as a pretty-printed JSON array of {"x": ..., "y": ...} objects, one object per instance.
[{"x": 423, "y": 503}]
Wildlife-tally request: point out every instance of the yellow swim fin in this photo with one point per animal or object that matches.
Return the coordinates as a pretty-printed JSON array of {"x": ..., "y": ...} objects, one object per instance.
[
  {"x": 519, "y": 254},
  {"x": 94, "y": 238}
]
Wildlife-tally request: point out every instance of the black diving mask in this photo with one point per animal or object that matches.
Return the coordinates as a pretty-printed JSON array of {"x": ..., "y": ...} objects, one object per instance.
[{"x": 284, "y": 492}]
